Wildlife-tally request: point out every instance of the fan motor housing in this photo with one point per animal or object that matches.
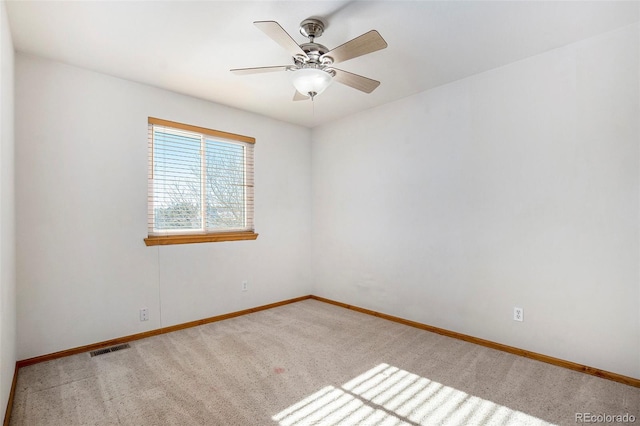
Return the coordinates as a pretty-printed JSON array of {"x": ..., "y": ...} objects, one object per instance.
[{"x": 314, "y": 51}]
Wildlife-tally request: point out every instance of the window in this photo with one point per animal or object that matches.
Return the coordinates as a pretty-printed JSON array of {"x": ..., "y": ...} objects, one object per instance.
[{"x": 200, "y": 185}]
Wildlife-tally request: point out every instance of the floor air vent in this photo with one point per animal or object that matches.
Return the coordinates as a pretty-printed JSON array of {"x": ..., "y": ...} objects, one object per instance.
[{"x": 111, "y": 349}]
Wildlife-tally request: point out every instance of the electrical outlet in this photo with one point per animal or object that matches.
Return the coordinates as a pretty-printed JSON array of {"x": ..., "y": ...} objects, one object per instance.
[
  {"x": 518, "y": 314},
  {"x": 144, "y": 314},
  {"x": 245, "y": 285}
]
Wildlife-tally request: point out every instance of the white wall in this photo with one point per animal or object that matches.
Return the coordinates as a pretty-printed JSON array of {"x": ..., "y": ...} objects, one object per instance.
[
  {"x": 81, "y": 183},
  {"x": 515, "y": 187},
  {"x": 7, "y": 216}
]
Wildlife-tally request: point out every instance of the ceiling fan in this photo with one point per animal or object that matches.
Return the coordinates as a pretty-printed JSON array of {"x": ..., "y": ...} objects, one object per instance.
[{"x": 312, "y": 69}]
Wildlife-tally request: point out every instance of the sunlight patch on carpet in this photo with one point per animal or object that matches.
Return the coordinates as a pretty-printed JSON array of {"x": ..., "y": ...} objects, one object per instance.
[{"x": 387, "y": 395}]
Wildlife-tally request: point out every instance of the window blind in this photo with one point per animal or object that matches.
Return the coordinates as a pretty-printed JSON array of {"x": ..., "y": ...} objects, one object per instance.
[{"x": 200, "y": 180}]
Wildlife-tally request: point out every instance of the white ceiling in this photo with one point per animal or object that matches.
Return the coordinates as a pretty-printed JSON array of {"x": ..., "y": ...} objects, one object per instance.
[{"x": 189, "y": 47}]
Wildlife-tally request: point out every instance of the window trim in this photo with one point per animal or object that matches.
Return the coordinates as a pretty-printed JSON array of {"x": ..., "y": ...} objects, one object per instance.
[
  {"x": 203, "y": 130},
  {"x": 163, "y": 240},
  {"x": 197, "y": 237}
]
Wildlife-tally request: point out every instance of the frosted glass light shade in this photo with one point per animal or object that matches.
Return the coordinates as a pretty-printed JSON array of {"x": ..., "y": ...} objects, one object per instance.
[{"x": 311, "y": 81}]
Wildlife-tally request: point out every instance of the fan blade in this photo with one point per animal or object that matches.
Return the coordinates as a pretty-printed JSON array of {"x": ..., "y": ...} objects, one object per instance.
[
  {"x": 366, "y": 43},
  {"x": 259, "y": 70},
  {"x": 356, "y": 81},
  {"x": 299, "y": 97},
  {"x": 280, "y": 36}
]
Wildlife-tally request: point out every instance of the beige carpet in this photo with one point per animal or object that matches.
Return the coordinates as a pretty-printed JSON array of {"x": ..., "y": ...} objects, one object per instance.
[{"x": 310, "y": 363}]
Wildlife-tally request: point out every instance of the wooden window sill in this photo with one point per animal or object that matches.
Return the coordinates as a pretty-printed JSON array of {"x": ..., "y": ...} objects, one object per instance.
[{"x": 163, "y": 240}]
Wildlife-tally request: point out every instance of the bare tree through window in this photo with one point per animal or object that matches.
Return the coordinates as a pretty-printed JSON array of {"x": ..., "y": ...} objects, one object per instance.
[{"x": 199, "y": 183}]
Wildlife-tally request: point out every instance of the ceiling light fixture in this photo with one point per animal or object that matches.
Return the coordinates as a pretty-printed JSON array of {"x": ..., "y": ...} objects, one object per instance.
[
  {"x": 313, "y": 64},
  {"x": 311, "y": 81}
]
